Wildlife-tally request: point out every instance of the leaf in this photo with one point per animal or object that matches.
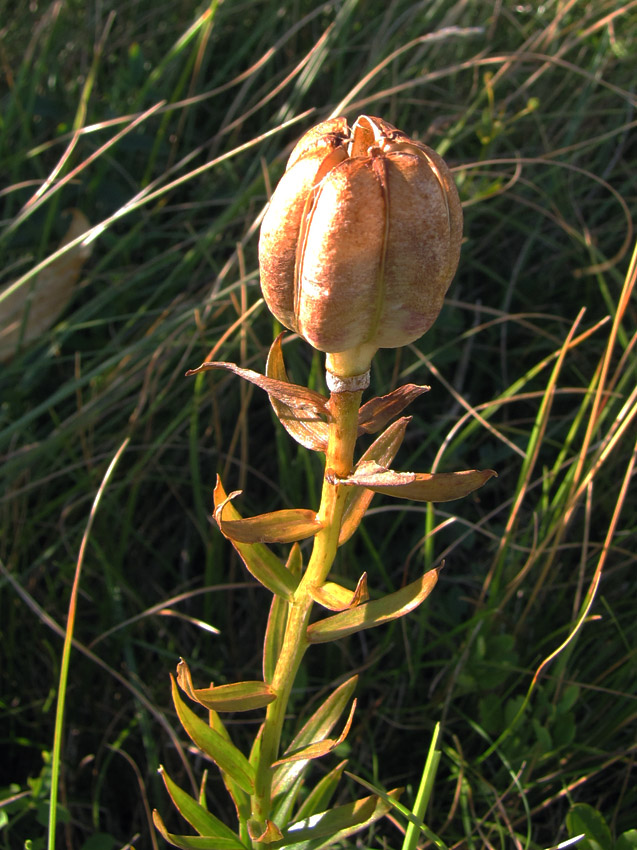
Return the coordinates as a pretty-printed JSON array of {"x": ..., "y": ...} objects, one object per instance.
[
  {"x": 382, "y": 450},
  {"x": 217, "y": 747},
  {"x": 195, "y": 842},
  {"x": 319, "y": 797},
  {"x": 335, "y": 597},
  {"x": 627, "y": 840},
  {"x": 377, "y": 412},
  {"x": 274, "y": 632},
  {"x": 197, "y": 816},
  {"x": 307, "y": 428},
  {"x": 258, "y": 559},
  {"x": 314, "y": 730},
  {"x": 284, "y": 803},
  {"x": 264, "y": 833},
  {"x": 284, "y": 526},
  {"x": 417, "y": 486},
  {"x": 319, "y": 748},
  {"x": 240, "y": 798},
  {"x": 240, "y": 696},
  {"x": 298, "y": 397},
  {"x": 32, "y": 308},
  {"x": 374, "y": 613},
  {"x": 583, "y": 818},
  {"x": 335, "y": 824}
]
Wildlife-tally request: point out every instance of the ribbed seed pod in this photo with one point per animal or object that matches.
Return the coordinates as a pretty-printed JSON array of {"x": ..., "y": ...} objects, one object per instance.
[{"x": 360, "y": 241}]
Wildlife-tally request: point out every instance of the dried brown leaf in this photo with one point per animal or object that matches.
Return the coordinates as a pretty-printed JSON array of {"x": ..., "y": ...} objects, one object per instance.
[
  {"x": 417, "y": 486},
  {"x": 304, "y": 426},
  {"x": 377, "y": 412}
]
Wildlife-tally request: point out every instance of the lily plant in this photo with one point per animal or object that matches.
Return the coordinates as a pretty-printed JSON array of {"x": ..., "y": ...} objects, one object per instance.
[{"x": 358, "y": 247}]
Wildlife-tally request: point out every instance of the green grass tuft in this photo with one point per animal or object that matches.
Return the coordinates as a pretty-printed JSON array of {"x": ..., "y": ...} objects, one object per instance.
[{"x": 167, "y": 126}]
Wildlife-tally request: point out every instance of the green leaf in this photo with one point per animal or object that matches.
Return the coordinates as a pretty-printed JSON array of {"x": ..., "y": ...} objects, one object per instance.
[
  {"x": 314, "y": 730},
  {"x": 318, "y": 748},
  {"x": 306, "y": 427},
  {"x": 275, "y": 630},
  {"x": 568, "y": 699},
  {"x": 264, "y": 832},
  {"x": 374, "y": 613},
  {"x": 319, "y": 797},
  {"x": 240, "y": 696},
  {"x": 627, "y": 840},
  {"x": 284, "y": 526},
  {"x": 335, "y": 824},
  {"x": 195, "y": 842},
  {"x": 240, "y": 798},
  {"x": 417, "y": 486},
  {"x": 583, "y": 818},
  {"x": 258, "y": 559},
  {"x": 197, "y": 816},
  {"x": 217, "y": 747},
  {"x": 284, "y": 803},
  {"x": 382, "y": 450}
]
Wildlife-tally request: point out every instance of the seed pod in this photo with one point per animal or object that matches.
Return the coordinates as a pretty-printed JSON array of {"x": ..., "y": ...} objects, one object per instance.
[{"x": 361, "y": 240}]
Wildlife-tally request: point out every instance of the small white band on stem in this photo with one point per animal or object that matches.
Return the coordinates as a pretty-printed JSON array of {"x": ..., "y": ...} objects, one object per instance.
[{"x": 337, "y": 384}]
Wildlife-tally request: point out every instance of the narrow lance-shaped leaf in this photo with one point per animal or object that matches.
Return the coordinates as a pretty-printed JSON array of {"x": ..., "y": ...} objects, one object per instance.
[
  {"x": 382, "y": 451},
  {"x": 277, "y": 619},
  {"x": 314, "y": 730},
  {"x": 239, "y": 696},
  {"x": 336, "y": 824},
  {"x": 195, "y": 842},
  {"x": 306, "y": 427},
  {"x": 239, "y": 796},
  {"x": 258, "y": 559},
  {"x": 284, "y": 526},
  {"x": 197, "y": 816},
  {"x": 417, "y": 486},
  {"x": 374, "y": 613},
  {"x": 224, "y": 754},
  {"x": 320, "y": 796},
  {"x": 377, "y": 412},
  {"x": 319, "y": 748},
  {"x": 294, "y": 395}
]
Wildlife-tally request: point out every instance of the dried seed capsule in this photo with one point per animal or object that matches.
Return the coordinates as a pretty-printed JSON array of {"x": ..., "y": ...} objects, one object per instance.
[{"x": 360, "y": 241}]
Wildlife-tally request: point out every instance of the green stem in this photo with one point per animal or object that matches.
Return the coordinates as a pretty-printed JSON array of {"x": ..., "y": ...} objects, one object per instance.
[{"x": 339, "y": 459}]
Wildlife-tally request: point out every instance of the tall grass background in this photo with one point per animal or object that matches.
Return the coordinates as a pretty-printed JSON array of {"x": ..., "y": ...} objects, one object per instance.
[{"x": 167, "y": 125}]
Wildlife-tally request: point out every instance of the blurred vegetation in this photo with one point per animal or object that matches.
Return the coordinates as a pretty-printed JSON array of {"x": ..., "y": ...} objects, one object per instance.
[{"x": 167, "y": 125}]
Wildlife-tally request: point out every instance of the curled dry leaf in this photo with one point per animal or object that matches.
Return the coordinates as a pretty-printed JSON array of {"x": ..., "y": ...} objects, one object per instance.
[
  {"x": 285, "y": 526},
  {"x": 304, "y": 425},
  {"x": 382, "y": 450},
  {"x": 260, "y": 561},
  {"x": 335, "y": 597},
  {"x": 293, "y": 395},
  {"x": 315, "y": 729},
  {"x": 239, "y": 696},
  {"x": 377, "y": 412},
  {"x": 318, "y": 748},
  {"x": 417, "y": 486},
  {"x": 34, "y": 307},
  {"x": 266, "y": 832}
]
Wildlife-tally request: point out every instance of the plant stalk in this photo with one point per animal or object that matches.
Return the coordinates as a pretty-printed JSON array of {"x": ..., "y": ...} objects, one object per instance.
[{"x": 339, "y": 459}]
